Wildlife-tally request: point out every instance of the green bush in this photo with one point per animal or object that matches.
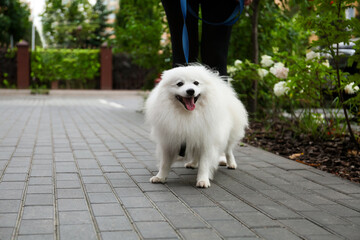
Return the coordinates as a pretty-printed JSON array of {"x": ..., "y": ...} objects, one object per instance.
[
  {"x": 8, "y": 68},
  {"x": 76, "y": 68}
]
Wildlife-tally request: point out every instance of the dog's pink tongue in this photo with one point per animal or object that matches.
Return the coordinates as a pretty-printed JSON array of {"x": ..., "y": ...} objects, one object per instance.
[{"x": 189, "y": 103}]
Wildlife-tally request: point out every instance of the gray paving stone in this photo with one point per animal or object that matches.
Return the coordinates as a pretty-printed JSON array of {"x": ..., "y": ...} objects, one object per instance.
[
  {"x": 113, "y": 169},
  {"x": 348, "y": 231},
  {"x": 93, "y": 188},
  {"x": 120, "y": 235},
  {"x": 304, "y": 227},
  {"x": 12, "y": 185},
  {"x": 121, "y": 175},
  {"x": 218, "y": 194},
  {"x": 128, "y": 192},
  {"x": 38, "y": 212},
  {"x": 236, "y": 206},
  {"x": 40, "y": 181},
  {"x": 113, "y": 223},
  {"x": 279, "y": 212},
  {"x": 213, "y": 213},
  {"x": 70, "y": 193},
  {"x": 298, "y": 205},
  {"x": 36, "y": 227},
  {"x": 162, "y": 196},
  {"x": 9, "y": 206},
  {"x": 145, "y": 215},
  {"x": 136, "y": 202},
  {"x": 68, "y": 184},
  {"x": 197, "y": 201},
  {"x": 41, "y": 173},
  {"x": 135, "y": 171},
  {"x": 107, "y": 209},
  {"x": 315, "y": 199},
  {"x": 108, "y": 154},
  {"x": 231, "y": 228},
  {"x": 14, "y": 177},
  {"x": 91, "y": 172},
  {"x": 121, "y": 183},
  {"x": 67, "y": 177},
  {"x": 40, "y": 189},
  {"x": 333, "y": 195},
  {"x": 72, "y": 205},
  {"x": 87, "y": 164},
  {"x": 354, "y": 204},
  {"x": 80, "y": 232},
  {"x": 6, "y": 233},
  {"x": 151, "y": 187},
  {"x": 17, "y": 169},
  {"x": 324, "y": 218},
  {"x": 94, "y": 179},
  {"x": 156, "y": 230},
  {"x": 11, "y": 194},
  {"x": 276, "y": 234},
  {"x": 256, "y": 219},
  {"x": 7, "y": 220},
  {"x": 36, "y": 237},
  {"x": 324, "y": 237},
  {"x": 75, "y": 217},
  {"x": 339, "y": 210},
  {"x": 80, "y": 154},
  {"x": 195, "y": 234},
  {"x": 102, "y": 197}
]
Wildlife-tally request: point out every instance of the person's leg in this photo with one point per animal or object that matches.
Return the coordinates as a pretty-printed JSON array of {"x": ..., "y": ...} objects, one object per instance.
[
  {"x": 176, "y": 22},
  {"x": 215, "y": 39}
]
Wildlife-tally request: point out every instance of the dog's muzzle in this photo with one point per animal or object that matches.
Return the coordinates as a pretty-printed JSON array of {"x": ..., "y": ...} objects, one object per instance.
[{"x": 188, "y": 102}]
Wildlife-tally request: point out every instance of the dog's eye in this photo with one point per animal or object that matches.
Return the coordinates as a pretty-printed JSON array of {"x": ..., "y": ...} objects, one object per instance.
[
  {"x": 196, "y": 83},
  {"x": 179, "y": 84}
]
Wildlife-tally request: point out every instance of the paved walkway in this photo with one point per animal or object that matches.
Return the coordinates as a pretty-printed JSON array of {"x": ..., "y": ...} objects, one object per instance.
[{"x": 77, "y": 166}]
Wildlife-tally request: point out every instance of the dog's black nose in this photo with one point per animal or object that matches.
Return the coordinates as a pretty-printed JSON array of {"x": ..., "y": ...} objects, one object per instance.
[{"x": 190, "y": 92}]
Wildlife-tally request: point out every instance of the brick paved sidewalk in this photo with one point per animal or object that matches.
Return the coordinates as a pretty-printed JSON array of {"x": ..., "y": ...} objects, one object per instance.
[{"x": 77, "y": 166}]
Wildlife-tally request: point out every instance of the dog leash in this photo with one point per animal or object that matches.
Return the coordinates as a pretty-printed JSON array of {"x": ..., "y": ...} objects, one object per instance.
[{"x": 185, "y": 7}]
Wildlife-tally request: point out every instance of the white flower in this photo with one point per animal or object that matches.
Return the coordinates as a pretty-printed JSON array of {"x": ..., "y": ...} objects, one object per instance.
[
  {"x": 238, "y": 63},
  {"x": 351, "y": 89},
  {"x": 266, "y": 61},
  {"x": 262, "y": 72},
  {"x": 312, "y": 55},
  {"x": 279, "y": 65},
  {"x": 319, "y": 118},
  {"x": 308, "y": 67},
  {"x": 280, "y": 88},
  {"x": 279, "y": 70},
  {"x": 231, "y": 70},
  {"x": 326, "y": 63}
]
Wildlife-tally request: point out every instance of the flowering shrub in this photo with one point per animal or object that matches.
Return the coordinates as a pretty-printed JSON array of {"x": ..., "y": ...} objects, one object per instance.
[
  {"x": 243, "y": 74},
  {"x": 314, "y": 95},
  {"x": 302, "y": 87}
]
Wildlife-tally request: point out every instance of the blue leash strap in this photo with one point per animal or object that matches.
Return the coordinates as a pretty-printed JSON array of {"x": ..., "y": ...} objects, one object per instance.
[
  {"x": 228, "y": 22},
  {"x": 185, "y": 38}
]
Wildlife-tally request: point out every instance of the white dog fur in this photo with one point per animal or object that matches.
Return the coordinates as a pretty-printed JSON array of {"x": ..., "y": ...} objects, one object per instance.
[{"x": 210, "y": 120}]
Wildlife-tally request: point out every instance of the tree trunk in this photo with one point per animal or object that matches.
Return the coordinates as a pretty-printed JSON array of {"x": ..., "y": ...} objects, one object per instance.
[{"x": 255, "y": 52}]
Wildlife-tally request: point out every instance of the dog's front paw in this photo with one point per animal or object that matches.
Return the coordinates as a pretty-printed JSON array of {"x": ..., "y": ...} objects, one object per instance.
[
  {"x": 191, "y": 165},
  {"x": 232, "y": 166},
  {"x": 203, "y": 184},
  {"x": 222, "y": 163},
  {"x": 157, "y": 179}
]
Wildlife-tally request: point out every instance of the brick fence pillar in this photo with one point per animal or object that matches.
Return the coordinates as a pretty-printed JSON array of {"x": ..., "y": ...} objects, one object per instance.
[
  {"x": 23, "y": 65},
  {"x": 106, "y": 67}
]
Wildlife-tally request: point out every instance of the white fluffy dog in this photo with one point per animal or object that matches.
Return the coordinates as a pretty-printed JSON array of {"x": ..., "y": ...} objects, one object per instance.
[{"x": 195, "y": 106}]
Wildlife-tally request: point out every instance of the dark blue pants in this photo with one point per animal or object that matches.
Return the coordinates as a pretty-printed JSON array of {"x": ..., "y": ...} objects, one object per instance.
[{"x": 214, "y": 39}]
